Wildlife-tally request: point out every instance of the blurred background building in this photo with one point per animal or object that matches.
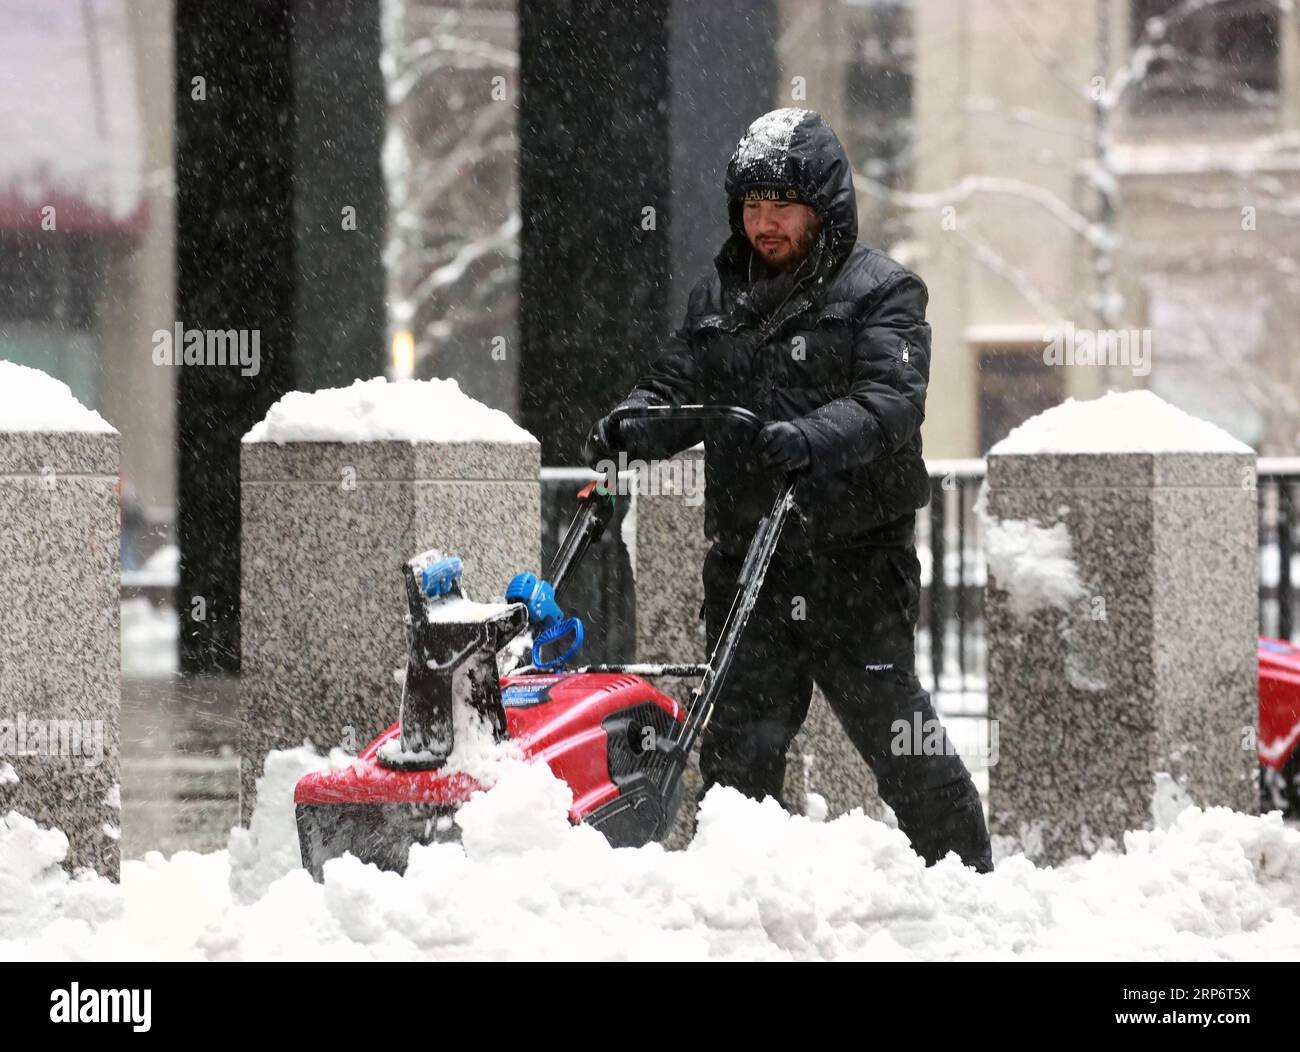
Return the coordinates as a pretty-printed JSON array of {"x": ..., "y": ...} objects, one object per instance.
[
  {"x": 1127, "y": 166},
  {"x": 86, "y": 215}
]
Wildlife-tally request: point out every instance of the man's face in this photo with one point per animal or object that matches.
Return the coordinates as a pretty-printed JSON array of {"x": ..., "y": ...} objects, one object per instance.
[{"x": 782, "y": 232}]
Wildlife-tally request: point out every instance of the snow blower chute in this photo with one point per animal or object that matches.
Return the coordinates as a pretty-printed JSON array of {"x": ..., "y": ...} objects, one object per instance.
[{"x": 618, "y": 742}]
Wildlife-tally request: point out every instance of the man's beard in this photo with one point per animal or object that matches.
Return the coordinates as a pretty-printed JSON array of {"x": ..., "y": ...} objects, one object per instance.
[
  {"x": 769, "y": 291},
  {"x": 784, "y": 262}
]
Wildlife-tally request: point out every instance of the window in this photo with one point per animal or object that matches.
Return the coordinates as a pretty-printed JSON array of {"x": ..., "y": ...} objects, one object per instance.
[
  {"x": 1217, "y": 55},
  {"x": 49, "y": 287},
  {"x": 1015, "y": 384},
  {"x": 48, "y": 279}
]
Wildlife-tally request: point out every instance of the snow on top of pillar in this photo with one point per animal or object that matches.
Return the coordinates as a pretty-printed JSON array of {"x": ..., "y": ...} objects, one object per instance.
[
  {"x": 31, "y": 400},
  {"x": 1119, "y": 422},
  {"x": 377, "y": 410}
]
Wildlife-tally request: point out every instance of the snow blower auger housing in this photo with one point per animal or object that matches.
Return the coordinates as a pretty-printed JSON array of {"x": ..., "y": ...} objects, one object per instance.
[{"x": 619, "y": 743}]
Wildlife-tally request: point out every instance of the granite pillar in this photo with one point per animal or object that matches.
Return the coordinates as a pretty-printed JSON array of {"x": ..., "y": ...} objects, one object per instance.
[
  {"x": 60, "y": 663},
  {"x": 326, "y": 527},
  {"x": 1122, "y": 618}
]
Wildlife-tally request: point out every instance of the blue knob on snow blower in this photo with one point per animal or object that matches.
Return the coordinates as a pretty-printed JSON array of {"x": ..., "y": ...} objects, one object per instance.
[
  {"x": 437, "y": 578},
  {"x": 537, "y": 595},
  {"x": 544, "y": 613}
]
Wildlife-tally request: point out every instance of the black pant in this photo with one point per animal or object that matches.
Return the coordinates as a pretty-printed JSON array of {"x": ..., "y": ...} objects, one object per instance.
[{"x": 847, "y": 621}]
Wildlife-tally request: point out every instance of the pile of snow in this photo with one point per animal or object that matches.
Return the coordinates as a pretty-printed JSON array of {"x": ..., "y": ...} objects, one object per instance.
[
  {"x": 375, "y": 410},
  {"x": 39, "y": 901},
  {"x": 268, "y": 849},
  {"x": 1168, "y": 801},
  {"x": 526, "y": 810},
  {"x": 1032, "y": 563},
  {"x": 1118, "y": 422},
  {"x": 756, "y": 883},
  {"x": 31, "y": 400}
]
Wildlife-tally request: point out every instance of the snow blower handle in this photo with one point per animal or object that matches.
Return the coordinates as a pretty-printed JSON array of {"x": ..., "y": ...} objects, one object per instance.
[
  {"x": 754, "y": 568},
  {"x": 595, "y": 509},
  {"x": 678, "y": 413},
  {"x": 596, "y": 499}
]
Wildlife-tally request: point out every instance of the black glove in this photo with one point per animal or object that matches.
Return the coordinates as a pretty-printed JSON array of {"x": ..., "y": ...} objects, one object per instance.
[
  {"x": 599, "y": 444},
  {"x": 782, "y": 446}
]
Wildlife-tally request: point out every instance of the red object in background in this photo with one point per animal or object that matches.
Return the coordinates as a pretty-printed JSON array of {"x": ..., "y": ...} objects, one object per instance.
[
  {"x": 1279, "y": 702},
  {"x": 73, "y": 214},
  {"x": 556, "y": 718}
]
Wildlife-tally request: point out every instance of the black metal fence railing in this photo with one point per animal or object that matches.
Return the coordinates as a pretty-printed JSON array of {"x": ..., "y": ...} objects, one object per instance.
[
  {"x": 950, "y": 546},
  {"x": 1277, "y": 479}
]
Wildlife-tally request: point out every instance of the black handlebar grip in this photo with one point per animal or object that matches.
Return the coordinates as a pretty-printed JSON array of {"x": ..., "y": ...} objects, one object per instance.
[{"x": 677, "y": 413}]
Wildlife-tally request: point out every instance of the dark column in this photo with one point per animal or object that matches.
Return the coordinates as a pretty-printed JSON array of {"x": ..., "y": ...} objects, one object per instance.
[
  {"x": 339, "y": 111},
  {"x": 287, "y": 135},
  {"x": 234, "y": 252},
  {"x": 723, "y": 62},
  {"x": 593, "y": 153}
]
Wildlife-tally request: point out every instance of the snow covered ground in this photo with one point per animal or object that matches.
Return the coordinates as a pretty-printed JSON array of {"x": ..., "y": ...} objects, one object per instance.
[{"x": 756, "y": 883}]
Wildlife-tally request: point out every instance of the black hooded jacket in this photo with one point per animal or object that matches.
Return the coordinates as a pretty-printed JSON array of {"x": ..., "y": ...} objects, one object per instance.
[{"x": 838, "y": 345}]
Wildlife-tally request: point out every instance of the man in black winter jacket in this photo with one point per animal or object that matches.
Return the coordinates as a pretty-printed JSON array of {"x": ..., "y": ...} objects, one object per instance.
[{"x": 825, "y": 340}]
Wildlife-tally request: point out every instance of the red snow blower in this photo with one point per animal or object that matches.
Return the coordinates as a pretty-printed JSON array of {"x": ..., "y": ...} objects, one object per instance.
[
  {"x": 619, "y": 743},
  {"x": 1279, "y": 726}
]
